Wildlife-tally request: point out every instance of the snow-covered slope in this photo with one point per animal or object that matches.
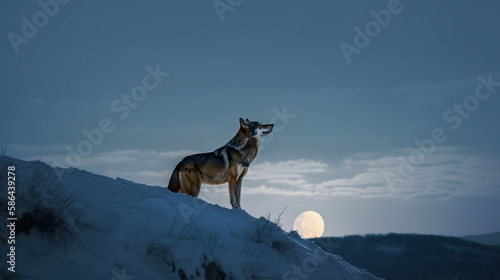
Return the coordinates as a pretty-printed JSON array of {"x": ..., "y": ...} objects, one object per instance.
[{"x": 86, "y": 226}]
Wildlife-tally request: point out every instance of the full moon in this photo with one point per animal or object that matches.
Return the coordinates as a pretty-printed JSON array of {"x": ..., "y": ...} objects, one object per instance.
[{"x": 309, "y": 224}]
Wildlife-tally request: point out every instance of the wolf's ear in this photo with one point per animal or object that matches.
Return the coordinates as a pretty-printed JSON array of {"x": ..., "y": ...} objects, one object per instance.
[{"x": 244, "y": 123}]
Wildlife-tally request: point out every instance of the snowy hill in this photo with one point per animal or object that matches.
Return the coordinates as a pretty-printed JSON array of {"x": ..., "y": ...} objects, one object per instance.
[{"x": 72, "y": 224}]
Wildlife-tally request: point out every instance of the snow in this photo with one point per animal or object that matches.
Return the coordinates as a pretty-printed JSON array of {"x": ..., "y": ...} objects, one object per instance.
[{"x": 118, "y": 229}]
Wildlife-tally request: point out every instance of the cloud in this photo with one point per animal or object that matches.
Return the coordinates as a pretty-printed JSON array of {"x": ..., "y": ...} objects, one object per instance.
[
  {"x": 58, "y": 154},
  {"x": 284, "y": 177},
  {"x": 137, "y": 156},
  {"x": 144, "y": 166},
  {"x": 262, "y": 189},
  {"x": 144, "y": 176},
  {"x": 293, "y": 182},
  {"x": 147, "y": 154},
  {"x": 175, "y": 154},
  {"x": 291, "y": 170},
  {"x": 34, "y": 150},
  {"x": 447, "y": 173}
]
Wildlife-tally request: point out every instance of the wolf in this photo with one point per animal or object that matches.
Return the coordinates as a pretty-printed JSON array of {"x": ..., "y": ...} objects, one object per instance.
[{"x": 228, "y": 164}]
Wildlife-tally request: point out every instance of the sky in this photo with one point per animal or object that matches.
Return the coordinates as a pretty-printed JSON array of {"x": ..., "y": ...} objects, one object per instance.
[{"x": 385, "y": 112}]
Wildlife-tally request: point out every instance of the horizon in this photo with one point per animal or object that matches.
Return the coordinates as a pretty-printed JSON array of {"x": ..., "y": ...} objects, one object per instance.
[
  {"x": 60, "y": 174},
  {"x": 385, "y": 112}
]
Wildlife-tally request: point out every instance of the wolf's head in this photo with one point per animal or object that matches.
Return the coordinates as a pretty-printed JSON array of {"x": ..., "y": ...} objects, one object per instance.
[{"x": 255, "y": 129}]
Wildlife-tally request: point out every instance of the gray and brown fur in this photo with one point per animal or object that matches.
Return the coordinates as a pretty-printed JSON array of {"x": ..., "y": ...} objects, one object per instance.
[{"x": 228, "y": 164}]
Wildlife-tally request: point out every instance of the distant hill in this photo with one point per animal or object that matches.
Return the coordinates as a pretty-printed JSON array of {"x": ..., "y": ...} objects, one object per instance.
[
  {"x": 415, "y": 257},
  {"x": 487, "y": 239}
]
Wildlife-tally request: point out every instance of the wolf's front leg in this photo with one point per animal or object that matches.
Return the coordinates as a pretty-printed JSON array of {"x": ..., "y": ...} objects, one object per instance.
[
  {"x": 232, "y": 193},
  {"x": 238, "y": 186},
  {"x": 238, "y": 192}
]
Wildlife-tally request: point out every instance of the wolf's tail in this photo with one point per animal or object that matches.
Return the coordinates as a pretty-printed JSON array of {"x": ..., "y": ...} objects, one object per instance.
[{"x": 174, "y": 184}]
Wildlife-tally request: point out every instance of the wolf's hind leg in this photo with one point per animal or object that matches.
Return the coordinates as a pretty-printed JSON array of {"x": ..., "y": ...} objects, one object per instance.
[{"x": 190, "y": 183}]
